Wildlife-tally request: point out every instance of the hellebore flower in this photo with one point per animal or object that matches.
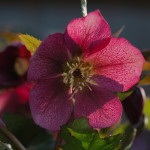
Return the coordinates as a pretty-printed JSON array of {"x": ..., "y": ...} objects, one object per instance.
[
  {"x": 14, "y": 89},
  {"x": 14, "y": 62},
  {"x": 133, "y": 105},
  {"x": 85, "y": 64}
]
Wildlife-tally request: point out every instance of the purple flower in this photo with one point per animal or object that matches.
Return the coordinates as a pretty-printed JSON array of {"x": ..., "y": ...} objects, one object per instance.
[
  {"x": 14, "y": 89},
  {"x": 14, "y": 61},
  {"x": 80, "y": 71}
]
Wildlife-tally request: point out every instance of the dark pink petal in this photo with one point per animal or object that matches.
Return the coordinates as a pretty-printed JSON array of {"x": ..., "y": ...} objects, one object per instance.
[
  {"x": 13, "y": 100},
  {"x": 4, "y": 99},
  {"x": 9, "y": 101},
  {"x": 120, "y": 62},
  {"x": 101, "y": 106},
  {"x": 50, "y": 104},
  {"x": 48, "y": 59},
  {"x": 88, "y": 33},
  {"x": 23, "y": 93}
]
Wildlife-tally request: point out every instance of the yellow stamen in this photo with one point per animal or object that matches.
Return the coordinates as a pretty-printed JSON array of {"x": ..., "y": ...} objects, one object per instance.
[{"x": 77, "y": 74}]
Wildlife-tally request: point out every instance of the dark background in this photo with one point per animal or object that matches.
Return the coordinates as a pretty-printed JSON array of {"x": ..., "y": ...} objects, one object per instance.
[{"x": 41, "y": 18}]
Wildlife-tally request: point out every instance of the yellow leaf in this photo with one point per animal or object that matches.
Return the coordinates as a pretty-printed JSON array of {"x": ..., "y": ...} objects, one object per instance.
[
  {"x": 147, "y": 112},
  {"x": 145, "y": 76},
  {"x": 30, "y": 42},
  {"x": 10, "y": 37},
  {"x": 146, "y": 66},
  {"x": 7, "y": 38},
  {"x": 145, "y": 81}
]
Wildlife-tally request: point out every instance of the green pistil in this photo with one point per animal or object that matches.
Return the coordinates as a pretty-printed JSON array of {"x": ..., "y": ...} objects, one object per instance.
[{"x": 77, "y": 74}]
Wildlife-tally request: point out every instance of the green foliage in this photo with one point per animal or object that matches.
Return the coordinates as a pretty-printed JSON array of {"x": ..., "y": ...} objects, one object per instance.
[
  {"x": 82, "y": 137},
  {"x": 76, "y": 136},
  {"x": 124, "y": 95},
  {"x": 71, "y": 143}
]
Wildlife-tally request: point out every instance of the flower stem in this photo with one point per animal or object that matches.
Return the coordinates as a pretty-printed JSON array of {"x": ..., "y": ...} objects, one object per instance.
[
  {"x": 58, "y": 141},
  {"x": 12, "y": 138},
  {"x": 57, "y": 135},
  {"x": 84, "y": 7}
]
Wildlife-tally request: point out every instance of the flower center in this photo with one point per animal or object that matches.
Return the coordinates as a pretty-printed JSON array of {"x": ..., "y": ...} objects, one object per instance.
[{"x": 77, "y": 73}]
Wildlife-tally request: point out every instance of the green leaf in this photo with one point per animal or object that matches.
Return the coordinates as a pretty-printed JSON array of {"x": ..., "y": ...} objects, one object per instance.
[
  {"x": 30, "y": 42},
  {"x": 91, "y": 140},
  {"x": 71, "y": 143},
  {"x": 147, "y": 112},
  {"x": 124, "y": 95},
  {"x": 116, "y": 142},
  {"x": 81, "y": 130},
  {"x": 85, "y": 139},
  {"x": 108, "y": 143},
  {"x": 81, "y": 126}
]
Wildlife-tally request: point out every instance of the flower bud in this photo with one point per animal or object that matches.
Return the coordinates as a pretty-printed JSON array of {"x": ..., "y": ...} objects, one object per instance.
[{"x": 133, "y": 105}]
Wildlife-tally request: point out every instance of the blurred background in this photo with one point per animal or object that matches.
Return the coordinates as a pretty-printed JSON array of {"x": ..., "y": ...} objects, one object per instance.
[{"x": 41, "y": 18}]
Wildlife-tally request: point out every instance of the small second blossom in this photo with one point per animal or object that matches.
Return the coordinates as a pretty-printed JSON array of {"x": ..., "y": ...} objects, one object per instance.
[{"x": 14, "y": 89}]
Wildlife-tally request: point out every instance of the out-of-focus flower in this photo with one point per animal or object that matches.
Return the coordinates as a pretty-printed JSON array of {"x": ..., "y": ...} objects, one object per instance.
[
  {"x": 80, "y": 71},
  {"x": 134, "y": 104},
  {"x": 14, "y": 62},
  {"x": 15, "y": 99}
]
